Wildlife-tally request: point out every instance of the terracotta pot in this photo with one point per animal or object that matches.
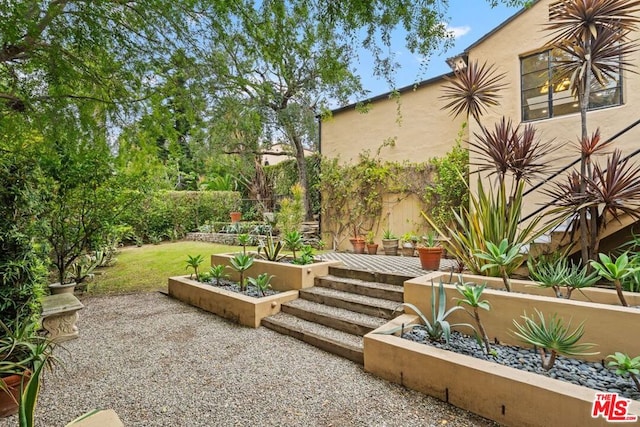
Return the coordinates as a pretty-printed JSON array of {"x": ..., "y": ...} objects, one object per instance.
[
  {"x": 235, "y": 216},
  {"x": 358, "y": 245},
  {"x": 372, "y": 248},
  {"x": 58, "y": 288},
  {"x": 9, "y": 399},
  {"x": 430, "y": 258},
  {"x": 390, "y": 246}
]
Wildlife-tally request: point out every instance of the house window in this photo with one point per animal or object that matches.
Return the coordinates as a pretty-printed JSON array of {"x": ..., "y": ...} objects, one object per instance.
[{"x": 543, "y": 96}]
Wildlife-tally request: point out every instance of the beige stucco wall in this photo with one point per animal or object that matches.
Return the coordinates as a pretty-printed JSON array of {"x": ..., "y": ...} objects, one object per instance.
[
  {"x": 525, "y": 35},
  {"x": 421, "y": 130}
]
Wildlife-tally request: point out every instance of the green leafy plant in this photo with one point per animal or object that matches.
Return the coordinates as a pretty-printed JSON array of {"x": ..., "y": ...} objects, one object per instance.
[
  {"x": 614, "y": 271},
  {"x": 244, "y": 240},
  {"x": 271, "y": 249},
  {"x": 438, "y": 326},
  {"x": 306, "y": 257},
  {"x": 430, "y": 240},
  {"x": 552, "y": 337},
  {"x": 388, "y": 234},
  {"x": 261, "y": 283},
  {"x": 370, "y": 238},
  {"x": 217, "y": 272},
  {"x": 291, "y": 214},
  {"x": 293, "y": 241},
  {"x": 241, "y": 263},
  {"x": 501, "y": 256},
  {"x": 194, "y": 263},
  {"x": 625, "y": 366},
  {"x": 471, "y": 296}
]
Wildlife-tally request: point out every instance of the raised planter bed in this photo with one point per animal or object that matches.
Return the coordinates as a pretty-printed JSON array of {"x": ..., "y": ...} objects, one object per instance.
[
  {"x": 239, "y": 308},
  {"x": 507, "y": 395},
  {"x": 604, "y": 324},
  {"x": 286, "y": 276}
]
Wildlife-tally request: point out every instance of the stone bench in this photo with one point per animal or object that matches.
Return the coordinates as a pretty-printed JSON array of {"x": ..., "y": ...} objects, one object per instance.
[{"x": 59, "y": 316}]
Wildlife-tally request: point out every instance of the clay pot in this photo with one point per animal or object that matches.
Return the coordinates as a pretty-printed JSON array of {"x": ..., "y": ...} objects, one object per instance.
[
  {"x": 235, "y": 216},
  {"x": 430, "y": 258},
  {"x": 372, "y": 248},
  {"x": 9, "y": 399},
  {"x": 358, "y": 245},
  {"x": 390, "y": 246}
]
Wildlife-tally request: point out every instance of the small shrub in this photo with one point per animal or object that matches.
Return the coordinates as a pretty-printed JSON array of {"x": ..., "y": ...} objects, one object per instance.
[
  {"x": 306, "y": 257},
  {"x": 626, "y": 366},
  {"x": 261, "y": 283}
]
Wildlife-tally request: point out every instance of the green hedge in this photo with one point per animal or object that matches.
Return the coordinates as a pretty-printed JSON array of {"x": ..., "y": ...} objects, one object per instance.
[{"x": 172, "y": 214}]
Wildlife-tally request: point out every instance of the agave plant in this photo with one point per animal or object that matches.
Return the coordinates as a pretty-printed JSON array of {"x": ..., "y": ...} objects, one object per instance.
[
  {"x": 438, "y": 327},
  {"x": 473, "y": 90},
  {"x": 271, "y": 248},
  {"x": 552, "y": 337}
]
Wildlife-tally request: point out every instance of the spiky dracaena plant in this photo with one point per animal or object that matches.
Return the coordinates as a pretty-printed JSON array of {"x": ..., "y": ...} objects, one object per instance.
[
  {"x": 591, "y": 41},
  {"x": 473, "y": 90}
]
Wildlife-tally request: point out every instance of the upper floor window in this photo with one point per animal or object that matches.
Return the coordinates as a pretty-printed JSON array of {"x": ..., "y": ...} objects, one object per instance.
[{"x": 543, "y": 96}]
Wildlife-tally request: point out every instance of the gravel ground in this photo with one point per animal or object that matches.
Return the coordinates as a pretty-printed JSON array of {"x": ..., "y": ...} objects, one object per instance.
[{"x": 159, "y": 362}]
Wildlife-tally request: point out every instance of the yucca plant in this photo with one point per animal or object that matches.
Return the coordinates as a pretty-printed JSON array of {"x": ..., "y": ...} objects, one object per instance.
[
  {"x": 261, "y": 283},
  {"x": 194, "y": 262},
  {"x": 471, "y": 296},
  {"x": 438, "y": 326},
  {"x": 593, "y": 39},
  {"x": 551, "y": 337},
  {"x": 615, "y": 271},
  {"x": 501, "y": 256},
  {"x": 473, "y": 90},
  {"x": 271, "y": 249},
  {"x": 241, "y": 263},
  {"x": 625, "y": 366}
]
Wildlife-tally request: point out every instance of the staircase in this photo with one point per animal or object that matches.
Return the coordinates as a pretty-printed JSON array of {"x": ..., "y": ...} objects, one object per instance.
[{"x": 340, "y": 309}]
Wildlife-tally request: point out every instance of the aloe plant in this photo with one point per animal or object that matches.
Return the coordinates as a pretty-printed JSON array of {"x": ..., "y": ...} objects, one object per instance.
[
  {"x": 471, "y": 296},
  {"x": 261, "y": 283},
  {"x": 217, "y": 272},
  {"x": 271, "y": 249},
  {"x": 438, "y": 327},
  {"x": 552, "y": 337},
  {"x": 244, "y": 240},
  {"x": 615, "y": 271},
  {"x": 194, "y": 262},
  {"x": 560, "y": 273},
  {"x": 293, "y": 241},
  {"x": 501, "y": 256},
  {"x": 626, "y": 366},
  {"x": 241, "y": 263}
]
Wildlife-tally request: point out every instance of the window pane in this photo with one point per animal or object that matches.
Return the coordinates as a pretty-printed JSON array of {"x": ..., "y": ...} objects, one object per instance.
[
  {"x": 604, "y": 98},
  {"x": 535, "y": 111},
  {"x": 535, "y": 96},
  {"x": 535, "y": 79},
  {"x": 537, "y": 62}
]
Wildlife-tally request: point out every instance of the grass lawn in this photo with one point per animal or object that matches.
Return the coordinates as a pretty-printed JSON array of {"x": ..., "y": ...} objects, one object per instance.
[{"x": 147, "y": 268}]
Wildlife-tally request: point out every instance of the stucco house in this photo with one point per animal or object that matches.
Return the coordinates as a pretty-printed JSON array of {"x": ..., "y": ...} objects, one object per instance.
[{"x": 517, "y": 48}]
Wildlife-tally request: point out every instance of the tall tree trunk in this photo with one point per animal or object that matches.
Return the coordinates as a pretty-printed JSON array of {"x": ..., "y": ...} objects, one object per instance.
[{"x": 584, "y": 94}]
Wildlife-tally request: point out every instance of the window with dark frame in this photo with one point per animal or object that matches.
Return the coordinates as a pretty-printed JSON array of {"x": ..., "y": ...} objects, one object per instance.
[{"x": 543, "y": 96}]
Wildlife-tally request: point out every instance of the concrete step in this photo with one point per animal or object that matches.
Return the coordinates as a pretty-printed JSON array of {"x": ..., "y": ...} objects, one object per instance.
[
  {"x": 377, "y": 307},
  {"x": 370, "y": 276},
  {"x": 328, "y": 339},
  {"x": 333, "y": 317},
  {"x": 360, "y": 287}
]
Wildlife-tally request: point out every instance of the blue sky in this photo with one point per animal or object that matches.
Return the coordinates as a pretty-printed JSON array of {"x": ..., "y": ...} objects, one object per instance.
[{"x": 469, "y": 20}]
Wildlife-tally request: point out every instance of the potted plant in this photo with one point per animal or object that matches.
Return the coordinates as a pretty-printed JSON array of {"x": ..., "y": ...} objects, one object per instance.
[
  {"x": 23, "y": 355},
  {"x": 372, "y": 247},
  {"x": 430, "y": 252},
  {"x": 357, "y": 241},
  {"x": 389, "y": 243},
  {"x": 409, "y": 241}
]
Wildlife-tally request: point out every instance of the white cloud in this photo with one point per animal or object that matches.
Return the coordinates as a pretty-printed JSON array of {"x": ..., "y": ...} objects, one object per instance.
[{"x": 457, "y": 32}]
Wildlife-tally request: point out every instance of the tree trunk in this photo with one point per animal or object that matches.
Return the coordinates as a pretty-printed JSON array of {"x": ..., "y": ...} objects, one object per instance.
[{"x": 584, "y": 93}]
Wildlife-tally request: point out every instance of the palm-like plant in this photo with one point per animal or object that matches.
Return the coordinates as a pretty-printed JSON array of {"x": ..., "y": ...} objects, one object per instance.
[
  {"x": 293, "y": 241},
  {"x": 552, "y": 336},
  {"x": 244, "y": 240},
  {"x": 217, "y": 272},
  {"x": 471, "y": 295},
  {"x": 473, "y": 90},
  {"x": 194, "y": 262},
  {"x": 592, "y": 39}
]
